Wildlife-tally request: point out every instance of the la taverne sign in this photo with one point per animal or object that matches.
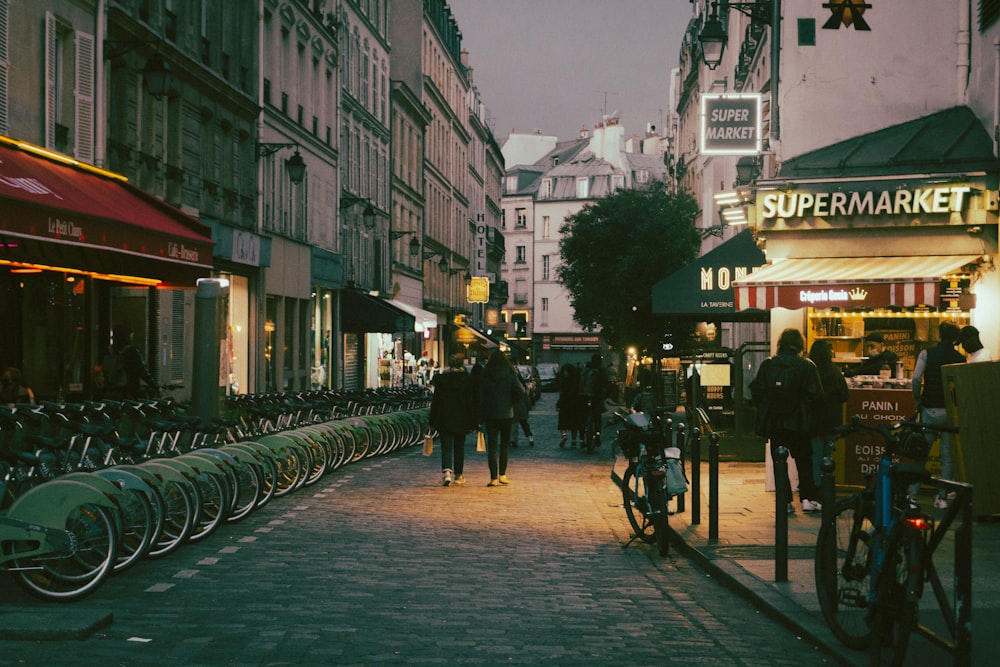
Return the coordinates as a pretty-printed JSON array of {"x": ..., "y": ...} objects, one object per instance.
[{"x": 730, "y": 124}]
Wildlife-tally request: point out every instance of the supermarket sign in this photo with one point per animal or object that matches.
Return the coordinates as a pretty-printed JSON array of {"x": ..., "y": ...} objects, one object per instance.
[{"x": 731, "y": 124}]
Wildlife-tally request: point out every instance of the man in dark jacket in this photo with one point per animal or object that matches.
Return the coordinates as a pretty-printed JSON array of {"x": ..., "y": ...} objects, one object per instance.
[
  {"x": 928, "y": 392},
  {"x": 787, "y": 392},
  {"x": 453, "y": 415}
]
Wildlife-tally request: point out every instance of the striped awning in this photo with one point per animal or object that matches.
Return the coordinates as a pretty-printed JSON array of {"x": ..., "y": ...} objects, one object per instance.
[{"x": 850, "y": 282}]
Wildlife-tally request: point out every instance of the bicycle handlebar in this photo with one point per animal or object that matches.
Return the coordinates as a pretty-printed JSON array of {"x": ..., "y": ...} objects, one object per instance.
[{"x": 885, "y": 430}]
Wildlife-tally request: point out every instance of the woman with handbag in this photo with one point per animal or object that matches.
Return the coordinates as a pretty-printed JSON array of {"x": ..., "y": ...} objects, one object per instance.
[
  {"x": 499, "y": 389},
  {"x": 453, "y": 416}
]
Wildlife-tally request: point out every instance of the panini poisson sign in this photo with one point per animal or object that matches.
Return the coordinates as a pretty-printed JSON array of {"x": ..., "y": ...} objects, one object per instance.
[{"x": 730, "y": 124}]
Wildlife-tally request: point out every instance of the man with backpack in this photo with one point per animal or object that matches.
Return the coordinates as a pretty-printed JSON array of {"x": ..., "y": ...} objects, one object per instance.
[{"x": 787, "y": 392}]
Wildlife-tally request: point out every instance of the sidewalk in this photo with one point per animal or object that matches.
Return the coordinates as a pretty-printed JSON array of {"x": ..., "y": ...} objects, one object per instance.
[{"x": 743, "y": 556}]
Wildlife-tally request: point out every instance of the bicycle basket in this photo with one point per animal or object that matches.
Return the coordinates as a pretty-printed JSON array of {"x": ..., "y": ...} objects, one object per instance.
[
  {"x": 628, "y": 442},
  {"x": 913, "y": 446}
]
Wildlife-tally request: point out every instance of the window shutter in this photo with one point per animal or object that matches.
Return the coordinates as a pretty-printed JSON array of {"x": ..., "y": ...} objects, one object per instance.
[
  {"x": 4, "y": 67},
  {"x": 84, "y": 98},
  {"x": 51, "y": 37}
]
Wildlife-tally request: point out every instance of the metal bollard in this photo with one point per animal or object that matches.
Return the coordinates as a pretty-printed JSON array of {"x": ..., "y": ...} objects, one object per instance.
[
  {"x": 695, "y": 476},
  {"x": 679, "y": 443},
  {"x": 781, "y": 514},
  {"x": 827, "y": 488},
  {"x": 713, "y": 486}
]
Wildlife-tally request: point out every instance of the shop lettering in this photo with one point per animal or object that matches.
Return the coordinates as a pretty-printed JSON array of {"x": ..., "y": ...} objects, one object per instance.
[
  {"x": 942, "y": 199},
  {"x": 65, "y": 229},
  {"x": 884, "y": 406},
  {"x": 824, "y": 296},
  {"x": 738, "y": 133},
  {"x": 182, "y": 252},
  {"x": 721, "y": 277}
]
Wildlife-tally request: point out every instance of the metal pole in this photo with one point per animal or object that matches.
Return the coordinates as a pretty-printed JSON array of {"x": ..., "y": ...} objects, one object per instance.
[
  {"x": 781, "y": 514},
  {"x": 713, "y": 486},
  {"x": 210, "y": 310},
  {"x": 695, "y": 476},
  {"x": 681, "y": 429}
]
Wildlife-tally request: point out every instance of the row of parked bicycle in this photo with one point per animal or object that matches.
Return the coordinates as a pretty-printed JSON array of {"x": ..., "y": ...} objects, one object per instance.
[{"x": 89, "y": 489}]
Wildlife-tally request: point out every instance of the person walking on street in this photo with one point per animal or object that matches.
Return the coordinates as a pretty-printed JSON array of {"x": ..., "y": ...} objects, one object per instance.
[
  {"x": 928, "y": 393},
  {"x": 499, "y": 389},
  {"x": 453, "y": 416},
  {"x": 787, "y": 393},
  {"x": 570, "y": 406},
  {"x": 830, "y": 413},
  {"x": 594, "y": 387},
  {"x": 521, "y": 411}
]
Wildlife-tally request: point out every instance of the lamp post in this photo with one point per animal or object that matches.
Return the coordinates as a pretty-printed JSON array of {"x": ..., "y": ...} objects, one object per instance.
[
  {"x": 713, "y": 38},
  {"x": 295, "y": 165}
]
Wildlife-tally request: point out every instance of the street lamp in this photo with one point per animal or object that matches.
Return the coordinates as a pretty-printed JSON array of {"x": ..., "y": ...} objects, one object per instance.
[
  {"x": 368, "y": 215},
  {"x": 713, "y": 38},
  {"x": 295, "y": 165},
  {"x": 414, "y": 242},
  {"x": 156, "y": 75}
]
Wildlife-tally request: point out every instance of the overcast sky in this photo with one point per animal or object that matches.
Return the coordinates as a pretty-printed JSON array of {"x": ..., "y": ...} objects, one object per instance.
[{"x": 558, "y": 64}]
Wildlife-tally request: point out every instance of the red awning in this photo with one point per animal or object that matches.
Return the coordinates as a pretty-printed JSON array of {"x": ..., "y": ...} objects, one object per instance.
[
  {"x": 849, "y": 282},
  {"x": 59, "y": 213}
]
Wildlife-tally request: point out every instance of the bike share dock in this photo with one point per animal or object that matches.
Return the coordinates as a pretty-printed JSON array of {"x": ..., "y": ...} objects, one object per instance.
[{"x": 743, "y": 555}]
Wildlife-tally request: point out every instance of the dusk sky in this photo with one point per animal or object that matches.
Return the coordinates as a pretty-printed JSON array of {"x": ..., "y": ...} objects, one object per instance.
[{"x": 559, "y": 64}]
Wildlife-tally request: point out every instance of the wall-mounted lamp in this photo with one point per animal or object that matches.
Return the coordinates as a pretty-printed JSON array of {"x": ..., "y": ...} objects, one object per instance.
[
  {"x": 747, "y": 169},
  {"x": 368, "y": 215},
  {"x": 713, "y": 38},
  {"x": 156, "y": 75},
  {"x": 443, "y": 265},
  {"x": 414, "y": 242},
  {"x": 295, "y": 165}
]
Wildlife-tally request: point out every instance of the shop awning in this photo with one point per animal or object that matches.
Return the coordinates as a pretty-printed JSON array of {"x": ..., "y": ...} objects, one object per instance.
[
  {"x": 58, "y": 213},
  {"x": 424, "y": 320},
  {"x": 705, "y": 286},
  {"x": 364, "y": 313},
  {"x": 467, "y": 334},
  {"x": 850, "y": 282}
]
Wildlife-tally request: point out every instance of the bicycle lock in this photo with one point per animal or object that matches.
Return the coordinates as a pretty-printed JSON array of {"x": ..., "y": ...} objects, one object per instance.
[
  {"x": 713, "y": 486},
  {"x": 781, "y": 486}
]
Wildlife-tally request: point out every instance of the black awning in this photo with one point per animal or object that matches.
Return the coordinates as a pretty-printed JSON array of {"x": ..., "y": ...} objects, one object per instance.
[
  {"x": 363, "y": 313},
  {"x": 705, "y": 286}
]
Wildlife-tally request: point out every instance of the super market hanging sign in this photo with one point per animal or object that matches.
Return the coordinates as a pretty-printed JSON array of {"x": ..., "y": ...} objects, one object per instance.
[{"x": 730, "y": 124}]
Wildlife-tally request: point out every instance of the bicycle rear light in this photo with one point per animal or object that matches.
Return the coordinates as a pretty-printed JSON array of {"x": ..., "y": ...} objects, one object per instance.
[{"x": 920, "y": 523}]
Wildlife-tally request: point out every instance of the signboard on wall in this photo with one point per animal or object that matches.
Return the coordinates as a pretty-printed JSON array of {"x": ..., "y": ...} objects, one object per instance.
[{"x": 731, "y": 124}]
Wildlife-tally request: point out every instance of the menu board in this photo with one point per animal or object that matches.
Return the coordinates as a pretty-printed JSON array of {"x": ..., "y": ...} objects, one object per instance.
[
  {"x": 862, "y": 450},
  {"x": 669, "y": 388}
]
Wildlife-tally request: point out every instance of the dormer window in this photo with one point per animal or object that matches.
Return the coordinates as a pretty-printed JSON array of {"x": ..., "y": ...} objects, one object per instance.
[
  {"x": 546, "y": 191},
  {"x": 582, "y": 188}
]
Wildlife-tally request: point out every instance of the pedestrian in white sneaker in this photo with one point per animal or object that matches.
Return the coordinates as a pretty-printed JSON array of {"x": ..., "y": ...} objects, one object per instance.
[{"x": 453, "y": 415}]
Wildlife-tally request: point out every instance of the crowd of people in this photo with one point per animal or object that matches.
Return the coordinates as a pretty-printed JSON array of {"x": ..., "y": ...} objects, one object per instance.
[
  {"x": 493, "y": 399},
  {"x": 800, "y": 398}
]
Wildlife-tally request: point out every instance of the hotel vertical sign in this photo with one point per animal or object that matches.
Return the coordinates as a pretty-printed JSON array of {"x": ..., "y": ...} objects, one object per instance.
[{"x": 730, "y": 124}]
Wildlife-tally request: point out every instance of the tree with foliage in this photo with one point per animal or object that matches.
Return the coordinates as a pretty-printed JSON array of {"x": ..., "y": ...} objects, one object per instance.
[{"x": 613, "y": 252}]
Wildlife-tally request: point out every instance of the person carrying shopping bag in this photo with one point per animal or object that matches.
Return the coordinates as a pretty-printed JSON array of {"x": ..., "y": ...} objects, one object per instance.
[
  {"x": 453, "y": 416},
  {"x": 499, "y": 389}
]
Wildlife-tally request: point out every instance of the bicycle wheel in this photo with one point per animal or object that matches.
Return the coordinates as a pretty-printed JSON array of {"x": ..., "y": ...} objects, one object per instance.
[
  {"x": 894, "y": 616},
  {"x": 636, "y": 501},
  {"x": 843, "y": 585},
  {"x": 178, "y": 518},
  {"x": 72, "y": 575},
  {"x": 658, "y": 501}
]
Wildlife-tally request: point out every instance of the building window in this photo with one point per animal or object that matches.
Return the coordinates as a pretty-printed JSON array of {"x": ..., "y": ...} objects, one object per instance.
[
  {"x": 520, "y": 322},
  {"x": 545, "y": 310},
  {"x": 546, "y": 188},
  {"x": 511, "y": 184},
  {"x": 582, "y": 188},
  {"x": 546, "y": 231},
  {"x": 522, "y": 218},
  {"x": 503, "y": 218},
  {"x": 618, "y": 182},
  {"x": 545, "y": 267},
  {"x": 521, "y": 255},
  {"x": 642, "y": 176}
]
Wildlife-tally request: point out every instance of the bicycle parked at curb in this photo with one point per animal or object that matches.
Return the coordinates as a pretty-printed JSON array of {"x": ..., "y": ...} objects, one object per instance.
[
  {"x": 874, "y": 551},
  {"x": 652, "y": 477}
]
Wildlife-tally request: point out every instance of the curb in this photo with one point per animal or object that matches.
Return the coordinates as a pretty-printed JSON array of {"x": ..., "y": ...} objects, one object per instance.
[{"x": 765, "y": 598}]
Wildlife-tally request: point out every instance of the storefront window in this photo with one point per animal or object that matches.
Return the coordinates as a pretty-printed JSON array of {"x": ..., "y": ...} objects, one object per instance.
[{"x": 271, "y": 341}]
